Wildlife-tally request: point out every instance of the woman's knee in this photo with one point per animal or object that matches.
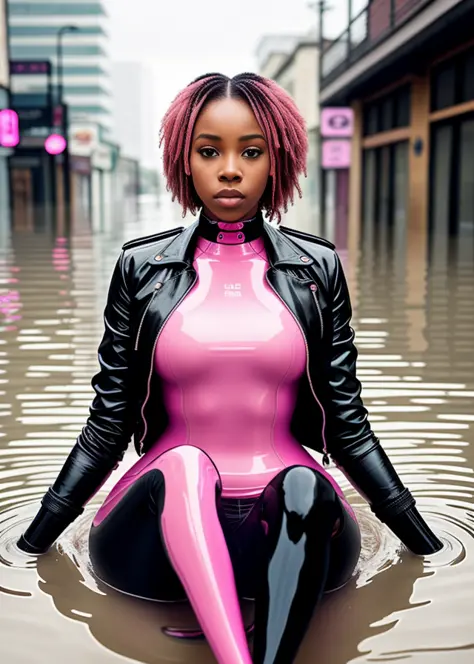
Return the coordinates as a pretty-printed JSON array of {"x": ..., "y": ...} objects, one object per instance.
[
  {"x": 187, "y": 465},
  {"x": 304, "y": 487}
]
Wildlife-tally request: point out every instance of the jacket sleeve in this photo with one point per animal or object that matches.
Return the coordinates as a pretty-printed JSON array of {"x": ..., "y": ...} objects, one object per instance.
[
  {"x": 351, "y": 442},
  {"x": 102, "y": 442}
]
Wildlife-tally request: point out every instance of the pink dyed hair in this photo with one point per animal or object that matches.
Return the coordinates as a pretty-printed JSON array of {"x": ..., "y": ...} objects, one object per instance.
[{"x": 279, "y": 118}]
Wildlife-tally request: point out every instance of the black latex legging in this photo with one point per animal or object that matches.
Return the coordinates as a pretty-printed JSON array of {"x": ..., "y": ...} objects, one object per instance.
[{"x": 127, "y": 551}]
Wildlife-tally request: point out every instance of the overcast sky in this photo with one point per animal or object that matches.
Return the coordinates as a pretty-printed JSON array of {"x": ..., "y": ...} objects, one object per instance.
[{"x": 182, "y": 39}]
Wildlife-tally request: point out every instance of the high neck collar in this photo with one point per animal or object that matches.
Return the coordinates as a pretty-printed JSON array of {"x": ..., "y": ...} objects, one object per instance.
[{"x": 235, "y": 232}]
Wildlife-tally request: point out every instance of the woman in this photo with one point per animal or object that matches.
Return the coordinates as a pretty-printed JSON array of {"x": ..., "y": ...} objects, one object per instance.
[{"x": 227, "y": 347}]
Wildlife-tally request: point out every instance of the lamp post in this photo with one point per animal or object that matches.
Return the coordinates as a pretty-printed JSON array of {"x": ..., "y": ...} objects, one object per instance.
[
  {"x": 320, "y": 6},
  {"x": 64, "y": 119}
]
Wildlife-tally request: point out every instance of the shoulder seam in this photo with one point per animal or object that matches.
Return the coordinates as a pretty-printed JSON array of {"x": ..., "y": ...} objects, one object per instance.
[
  {"x": 148, "y": 239},
  {"x": 306, "y": 236}
]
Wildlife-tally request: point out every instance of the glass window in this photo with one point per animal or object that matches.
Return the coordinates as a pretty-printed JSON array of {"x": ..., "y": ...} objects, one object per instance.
[
  {"x": 444, "y": 87},
  {"x": 441, "y": 179},
  {"x": 72, "y": 90},
  {"x": 49, "y": 51},
  {"x": 54, "y": 8},
  {"x": 70, "y": 70},
  {"x": 88, "y": 109},
  {"x": 370, "y": 188},
  {"x": 400, "y": 184},
  {"x": 50, "y": 31},
  {"x": 357, "y": 6},
  {"x": 386, "y": 114},
  {"x": 402, "y": 107},
  {"x": 467, "y": 84},
  {"x": 370, "y": 119},
  {"x": 466, "y": 178},
  {"x": 384, "y": 181}
]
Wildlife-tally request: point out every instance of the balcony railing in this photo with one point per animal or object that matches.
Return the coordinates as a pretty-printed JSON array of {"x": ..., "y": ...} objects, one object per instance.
[{"x": 377, "y": 21}]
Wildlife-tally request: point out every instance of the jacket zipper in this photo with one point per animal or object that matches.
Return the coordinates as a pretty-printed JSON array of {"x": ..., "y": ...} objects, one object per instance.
[
  {"x": 142, "y": 412},
  {"x": 326, "y": 460},
  {"x": 314, "y": 291},
  {"x": 143, "y": 318}
]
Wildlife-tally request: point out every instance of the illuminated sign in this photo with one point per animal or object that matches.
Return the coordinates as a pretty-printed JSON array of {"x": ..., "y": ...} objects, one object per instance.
[
  {"x": 29, "y": 67},
  {"x": 55, "y": 144},
  {"x": 337, "y": 122},
  {"x": 9, "y": 128},
  {"x": 336, "y": 154}
]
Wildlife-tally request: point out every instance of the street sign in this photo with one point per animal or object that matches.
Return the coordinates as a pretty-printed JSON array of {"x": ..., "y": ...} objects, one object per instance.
[
  {"x": 29, "y": 67},
  {"x": 336, "y": 154},
  {"x": 9, "y": 128},
  {"x": 337, "y": 122}
]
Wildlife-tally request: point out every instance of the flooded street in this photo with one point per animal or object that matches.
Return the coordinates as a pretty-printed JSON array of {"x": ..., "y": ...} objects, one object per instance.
[{"x": 414, "y": 316}]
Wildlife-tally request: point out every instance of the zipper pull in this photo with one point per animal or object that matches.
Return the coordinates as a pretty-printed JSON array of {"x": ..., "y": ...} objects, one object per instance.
[{"x": 326, "y": 459}]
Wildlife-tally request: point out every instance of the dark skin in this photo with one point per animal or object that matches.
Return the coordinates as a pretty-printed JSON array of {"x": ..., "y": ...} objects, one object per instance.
[{"x": 229, "y": 151}]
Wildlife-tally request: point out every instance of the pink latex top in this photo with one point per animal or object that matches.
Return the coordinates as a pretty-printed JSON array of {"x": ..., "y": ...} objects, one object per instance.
[{"x": 230, "y": 358}]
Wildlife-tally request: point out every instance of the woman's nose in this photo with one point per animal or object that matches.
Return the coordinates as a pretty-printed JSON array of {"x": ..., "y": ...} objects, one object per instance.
[{"x": 230, "y": 171}]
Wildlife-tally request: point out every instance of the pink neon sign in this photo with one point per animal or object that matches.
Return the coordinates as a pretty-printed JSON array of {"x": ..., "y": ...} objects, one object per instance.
[
  {"x": 9, "y": 128},
  {"x": 55, "y": 144},
  {"x": 336, "y": 154}
]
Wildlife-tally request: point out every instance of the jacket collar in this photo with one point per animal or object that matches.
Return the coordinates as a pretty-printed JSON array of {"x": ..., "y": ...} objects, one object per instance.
[{"x": 281, "y": 251}]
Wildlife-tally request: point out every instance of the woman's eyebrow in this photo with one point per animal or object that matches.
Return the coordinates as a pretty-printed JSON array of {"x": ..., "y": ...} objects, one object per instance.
[
  {"x": 210, "y": 137},
  {"x": 213, "y": 137}
]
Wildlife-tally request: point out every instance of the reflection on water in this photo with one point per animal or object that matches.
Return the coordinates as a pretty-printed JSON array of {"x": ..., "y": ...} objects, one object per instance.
[{"x": 414, "y": 314}]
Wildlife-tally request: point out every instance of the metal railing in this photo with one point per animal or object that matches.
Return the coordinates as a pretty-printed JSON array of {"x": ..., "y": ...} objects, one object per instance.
[{"x": 372, "y": 25}]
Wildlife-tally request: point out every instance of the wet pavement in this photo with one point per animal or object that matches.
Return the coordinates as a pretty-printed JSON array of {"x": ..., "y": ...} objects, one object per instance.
[{"x": 414, "y": 315}]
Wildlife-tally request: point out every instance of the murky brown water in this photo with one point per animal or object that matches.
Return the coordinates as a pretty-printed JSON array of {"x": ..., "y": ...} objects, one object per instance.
[{"x": 414, "y": 314}]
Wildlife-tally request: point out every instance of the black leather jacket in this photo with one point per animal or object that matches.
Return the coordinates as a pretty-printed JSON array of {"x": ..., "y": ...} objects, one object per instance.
[{"x": 151, "y": 278}]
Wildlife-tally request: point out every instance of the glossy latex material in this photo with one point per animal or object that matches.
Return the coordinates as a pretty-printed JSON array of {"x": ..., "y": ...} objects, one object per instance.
[
  {"x": 300, "y": 508},
  {"x": 230, "y": 338},
  {"x": 186, "y": 510},
  {"x": 198, "y": 552}
]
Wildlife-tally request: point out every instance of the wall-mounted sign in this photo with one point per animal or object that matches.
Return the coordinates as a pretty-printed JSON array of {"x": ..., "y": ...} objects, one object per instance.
[
  {"x": 83, "y": 139},
  {"x": 9, "y": 128},
  {"x": 102, "y": 158},
  {"x": 55, "y": 144},
  {"x": 29, "y": 67},
  {"x": 337, "y": 122},
  {"x": 336, "y": 154}
]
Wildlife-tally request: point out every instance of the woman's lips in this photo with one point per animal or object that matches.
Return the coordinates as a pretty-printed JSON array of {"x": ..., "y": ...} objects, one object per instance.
[{"x": 229, "y": 201}]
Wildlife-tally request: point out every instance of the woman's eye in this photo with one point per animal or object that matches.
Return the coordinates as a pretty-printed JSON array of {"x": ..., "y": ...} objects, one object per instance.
[
  {"x": 252, "y": 153},
  {"x": 208, "y": 152}
]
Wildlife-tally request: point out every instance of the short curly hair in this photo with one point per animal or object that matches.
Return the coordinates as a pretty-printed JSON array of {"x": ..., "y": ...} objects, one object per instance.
[{"x": 279, "y": 118}]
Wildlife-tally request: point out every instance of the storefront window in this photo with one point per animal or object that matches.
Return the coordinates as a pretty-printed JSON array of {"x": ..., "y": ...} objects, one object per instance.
[
  {"x": 452, "y": 82},
  {"x": 468, "y": 77},
  {"x": 466, "y": 178},
  {"x": 388, "y": 112}
]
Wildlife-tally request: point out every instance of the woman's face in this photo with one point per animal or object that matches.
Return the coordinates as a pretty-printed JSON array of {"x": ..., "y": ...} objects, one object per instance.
[{"x": 229, "y": 160}]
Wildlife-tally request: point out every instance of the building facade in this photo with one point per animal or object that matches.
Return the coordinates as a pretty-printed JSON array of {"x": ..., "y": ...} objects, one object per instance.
[
  {"x": 34, "y": 27},
  {"x": 293, "y": 63},
  {"x": 406, "y": 67}
]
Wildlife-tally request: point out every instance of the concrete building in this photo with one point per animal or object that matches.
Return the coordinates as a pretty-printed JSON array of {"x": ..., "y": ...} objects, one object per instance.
[
  {"x": 134, "y": 112},
  {"x": 33, "y": 32},
  {"x": 406, "y": 67},
  {"x": 292, "y": 61}
]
